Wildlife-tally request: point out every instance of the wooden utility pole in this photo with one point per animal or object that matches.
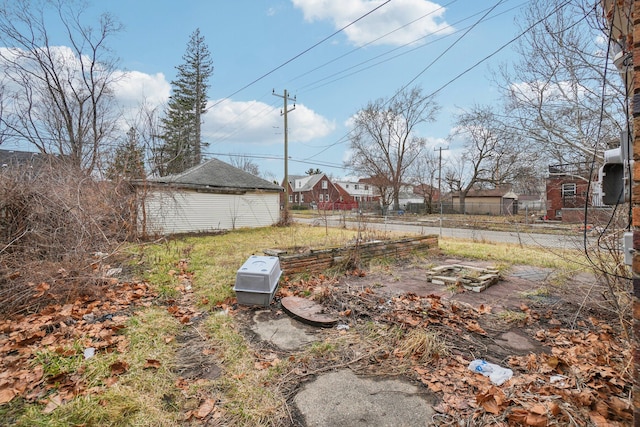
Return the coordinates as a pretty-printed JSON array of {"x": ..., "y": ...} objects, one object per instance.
[
  {"x": 440, "y": 185},
  {"x": 284, "y": 113}
]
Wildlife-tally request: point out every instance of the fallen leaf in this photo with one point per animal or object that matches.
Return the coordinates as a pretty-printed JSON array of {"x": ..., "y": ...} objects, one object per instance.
[
  {"x": 535, "y": 420},
  {"x": 152, "y": 363},
  {"x": 6, "y": 395},
  {"x": 205, "y": 408},
  {"x": 119, "y": 368},
  {"x": 484, "y": 309},
  {"x": 54, "y": 402}
]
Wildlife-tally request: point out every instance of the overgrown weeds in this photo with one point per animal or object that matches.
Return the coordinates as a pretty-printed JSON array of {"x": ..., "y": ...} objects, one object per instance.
[{"x": 58, "y": 227}]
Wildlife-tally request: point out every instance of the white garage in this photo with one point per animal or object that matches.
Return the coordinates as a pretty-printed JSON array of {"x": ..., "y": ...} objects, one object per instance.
[{"x": 209, "y": 197}]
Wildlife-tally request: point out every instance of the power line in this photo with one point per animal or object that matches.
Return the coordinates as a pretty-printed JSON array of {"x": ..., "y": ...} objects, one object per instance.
[
  {"x": 344, "y": 138},
  {"x": 447, "y": 49},
  {"x": 495, "y": 52},
  {"x": 377, "y": 39},
  {"x": 315, "y": 85},
  {"x": 302, "y": 53}
]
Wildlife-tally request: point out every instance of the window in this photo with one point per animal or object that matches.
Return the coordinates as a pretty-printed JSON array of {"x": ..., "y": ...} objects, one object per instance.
[
  {"x": 302, "y": 198},
  {"x": 290, "y": 198},
  {"x": 568, "y": 190},
  {"x": 366, "y": 188},
  {"x": 321, "y": 198},
  {"x": 325, "y": 185},
  {"x": 356, "y": 187},
  {"x": 296, "y": 198}
]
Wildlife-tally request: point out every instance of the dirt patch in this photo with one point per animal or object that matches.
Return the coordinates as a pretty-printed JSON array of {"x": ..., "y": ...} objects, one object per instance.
[{"x": 193, "y": 357}]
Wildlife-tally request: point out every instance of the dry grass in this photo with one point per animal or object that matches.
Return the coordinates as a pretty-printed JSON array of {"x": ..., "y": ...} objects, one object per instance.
[
  {"x": 256, "y": 382},
  {"x": 511, "y": 254},
  {"x": 423, "y": 346}
]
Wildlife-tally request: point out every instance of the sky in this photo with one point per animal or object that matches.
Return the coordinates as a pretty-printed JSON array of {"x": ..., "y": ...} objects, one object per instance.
[{"x": 262, "y": 47}]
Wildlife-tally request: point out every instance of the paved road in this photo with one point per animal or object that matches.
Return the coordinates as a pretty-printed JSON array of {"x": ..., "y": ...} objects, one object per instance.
[{"x": 529, "y": 239}]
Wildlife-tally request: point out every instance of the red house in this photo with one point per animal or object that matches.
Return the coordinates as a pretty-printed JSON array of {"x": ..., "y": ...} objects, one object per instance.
[
  {"x": 567, "y": 190},
  {"x": 313, "y": 191}
]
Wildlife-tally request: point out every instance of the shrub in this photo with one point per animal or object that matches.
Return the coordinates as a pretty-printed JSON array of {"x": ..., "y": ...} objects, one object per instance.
[{"x": 57, "y": 225}]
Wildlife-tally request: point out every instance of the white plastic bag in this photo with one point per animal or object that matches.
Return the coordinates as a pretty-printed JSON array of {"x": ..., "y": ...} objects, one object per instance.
[{"x": 497, "y": 374}]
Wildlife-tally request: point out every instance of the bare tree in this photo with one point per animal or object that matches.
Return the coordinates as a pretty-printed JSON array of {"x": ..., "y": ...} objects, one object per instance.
[
  {"x": 493, "y": 154},
  {"x": 384, "y": 141},
  {"x": 61, "y": 97},
  {"x": 424, "y": 176},
  {"x": 246, "y": 164},
  {"x": 555, "y": 90}
]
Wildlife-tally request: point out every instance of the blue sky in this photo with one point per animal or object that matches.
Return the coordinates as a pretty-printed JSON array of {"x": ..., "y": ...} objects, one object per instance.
[{"x": 250, "y": 38}]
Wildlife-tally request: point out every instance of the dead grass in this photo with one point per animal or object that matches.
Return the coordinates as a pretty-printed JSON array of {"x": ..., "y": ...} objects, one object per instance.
[
  {"x": 256, "y": 382},
  {"x": 423, "y": 346},
  {"x": 510, "y": 254}
]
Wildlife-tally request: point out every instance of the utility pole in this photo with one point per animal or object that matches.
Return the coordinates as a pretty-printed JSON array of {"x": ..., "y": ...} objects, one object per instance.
[
  {"x": 284, "y": 112},
  {"x": 440, "y": 185}
]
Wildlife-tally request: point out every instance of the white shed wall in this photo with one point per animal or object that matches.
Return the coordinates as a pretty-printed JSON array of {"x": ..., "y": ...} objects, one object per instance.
[{"x": 183, "y": 211}]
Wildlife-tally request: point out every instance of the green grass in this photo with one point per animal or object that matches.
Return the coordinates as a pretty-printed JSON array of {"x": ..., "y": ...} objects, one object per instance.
[
  {"x": 247, "y": 393},
  {"x": 136, "y": 398}
]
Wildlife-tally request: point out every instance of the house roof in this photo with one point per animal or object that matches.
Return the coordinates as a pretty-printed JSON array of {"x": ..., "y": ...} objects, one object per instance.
[
  {"x": 216, "y": 174},
  {"x": 310, "y": 181},
  {"x": 14, "y": 158}
]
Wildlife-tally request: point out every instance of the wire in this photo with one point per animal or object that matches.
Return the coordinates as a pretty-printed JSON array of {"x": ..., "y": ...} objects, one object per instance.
[
  {"x": 315, "y": 84},
  {"x": 301, "y": 53},
  {"x": 273, "y": 157},
  {"x": 375, "y": 40},
  {"x": 495, "y": 52},
  {"x": 446, "y": 50},
  {"x": 586, "y": 211}
]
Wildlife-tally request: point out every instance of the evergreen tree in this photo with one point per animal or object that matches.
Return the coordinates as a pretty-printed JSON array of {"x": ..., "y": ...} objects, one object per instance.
[
  {"x": 182, "y": 137},
  {"x": 128, "y": 160}
]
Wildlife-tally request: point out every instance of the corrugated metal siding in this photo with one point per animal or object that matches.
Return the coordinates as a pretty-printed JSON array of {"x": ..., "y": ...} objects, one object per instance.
[{"x": 190, "y": 211}]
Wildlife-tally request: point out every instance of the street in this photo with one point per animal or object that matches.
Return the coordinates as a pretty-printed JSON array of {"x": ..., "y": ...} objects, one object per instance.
[{"x": 559, "y": 241}]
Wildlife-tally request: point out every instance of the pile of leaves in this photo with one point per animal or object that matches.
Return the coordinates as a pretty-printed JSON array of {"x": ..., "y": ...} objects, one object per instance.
[
  {"x": 583, "y": 378},
  {"x": 30, "y": 344}
]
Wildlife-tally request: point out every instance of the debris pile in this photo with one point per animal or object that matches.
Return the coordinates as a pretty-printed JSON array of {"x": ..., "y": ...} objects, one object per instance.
[{"x": 475, "y": 279}]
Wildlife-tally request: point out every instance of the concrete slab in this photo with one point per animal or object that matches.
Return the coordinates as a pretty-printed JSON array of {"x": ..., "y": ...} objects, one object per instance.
[
  {"x": 533, "y": 274},
  {"x": 516, "y": 341},
  {"x": 342, "y": 398},
  {"x": 285, "y": 333}
]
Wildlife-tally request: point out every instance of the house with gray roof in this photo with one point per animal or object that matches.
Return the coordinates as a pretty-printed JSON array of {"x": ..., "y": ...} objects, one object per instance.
[
  {"x": 313, "y": 190},
  {"x": 208, "y": 197},
  {"x": 12, "y": 158}
]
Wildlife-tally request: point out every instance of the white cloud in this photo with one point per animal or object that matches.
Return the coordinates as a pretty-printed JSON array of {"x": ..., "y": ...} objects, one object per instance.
[
  {"x": 555, "y": 91},
  {"x": 254, "y": 122},
  {"x": 388, "y": 19},
  {"x": 134, "y": 87}
]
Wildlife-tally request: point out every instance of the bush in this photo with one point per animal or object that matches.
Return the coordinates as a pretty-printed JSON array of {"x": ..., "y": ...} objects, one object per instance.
[{"x": 57, "y": 225}]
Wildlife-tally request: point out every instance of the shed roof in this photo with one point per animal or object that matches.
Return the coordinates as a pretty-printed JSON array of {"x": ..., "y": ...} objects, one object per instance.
[
  {"x": 495, "y": 192},
  {"x": 214, "y": 174}
]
